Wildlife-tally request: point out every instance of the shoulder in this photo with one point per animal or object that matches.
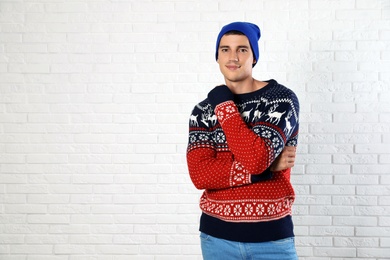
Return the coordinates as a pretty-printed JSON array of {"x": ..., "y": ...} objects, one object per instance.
[
  {"x": 201, "y": 107},
  {"x": 280, "y": 98},
  {"x": 202, "y": 114},
  {"x": 282, "y": 91}
]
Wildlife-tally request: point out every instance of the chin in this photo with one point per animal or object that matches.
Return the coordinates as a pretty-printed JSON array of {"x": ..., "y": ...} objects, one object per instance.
[{"x": 234, "y": 78}]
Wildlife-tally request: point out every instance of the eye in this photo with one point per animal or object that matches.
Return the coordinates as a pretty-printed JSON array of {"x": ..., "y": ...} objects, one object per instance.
[
  {"x": 224, "y": 49},
  {"x": 243, "y": 50}
]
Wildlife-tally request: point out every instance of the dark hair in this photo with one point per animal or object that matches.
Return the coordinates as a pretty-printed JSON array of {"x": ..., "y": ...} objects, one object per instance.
[{"x": 234, "y": 32}]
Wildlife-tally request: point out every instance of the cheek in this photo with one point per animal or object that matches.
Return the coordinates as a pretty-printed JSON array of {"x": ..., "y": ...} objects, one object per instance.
[{"x": 249, "y": 60}]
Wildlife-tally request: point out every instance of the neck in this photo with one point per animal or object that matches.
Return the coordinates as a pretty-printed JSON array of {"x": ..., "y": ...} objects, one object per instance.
[{"x": 247, "y": 86}]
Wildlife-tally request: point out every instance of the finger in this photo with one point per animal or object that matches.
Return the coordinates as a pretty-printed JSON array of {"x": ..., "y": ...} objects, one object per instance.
[
  {"x": 293, "y": 155},
  {"x": 290, "y": 160},
  {"x": 290, "y": 164},
  {"x": 289, "y": 154},
  {"x": 290, "y": 148}
]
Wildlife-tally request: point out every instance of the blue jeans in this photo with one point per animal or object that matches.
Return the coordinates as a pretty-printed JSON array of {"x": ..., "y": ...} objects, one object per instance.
[{"x": 220, "y": 249}]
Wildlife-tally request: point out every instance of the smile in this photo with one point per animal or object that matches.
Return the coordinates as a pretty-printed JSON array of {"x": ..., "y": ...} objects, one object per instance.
[{"x": 233, "y": 67}]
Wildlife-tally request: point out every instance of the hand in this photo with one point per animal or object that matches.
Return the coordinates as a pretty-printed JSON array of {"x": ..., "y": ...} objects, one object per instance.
[
  {"x": 285, "y": 160},
  {"x": 219, "y": 95}
]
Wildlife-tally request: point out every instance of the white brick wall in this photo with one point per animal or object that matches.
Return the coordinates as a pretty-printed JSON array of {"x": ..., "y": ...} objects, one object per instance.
[{"x": 94, "y": 104}]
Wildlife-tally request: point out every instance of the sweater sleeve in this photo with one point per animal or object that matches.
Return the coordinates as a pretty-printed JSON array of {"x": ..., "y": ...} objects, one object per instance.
[
  {"x": 210, "y": 163},
  {"x": 256, "y": 148}
]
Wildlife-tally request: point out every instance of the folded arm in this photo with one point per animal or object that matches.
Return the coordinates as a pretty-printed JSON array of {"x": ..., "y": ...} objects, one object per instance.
[{"x": 248, "y": 157}]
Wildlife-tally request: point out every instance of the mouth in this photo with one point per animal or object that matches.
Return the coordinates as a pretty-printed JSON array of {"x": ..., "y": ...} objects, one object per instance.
[{"x": 233, "y": 67}]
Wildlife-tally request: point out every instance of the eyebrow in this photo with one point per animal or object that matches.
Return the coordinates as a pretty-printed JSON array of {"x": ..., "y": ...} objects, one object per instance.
[{"x": 240, "y": 46}]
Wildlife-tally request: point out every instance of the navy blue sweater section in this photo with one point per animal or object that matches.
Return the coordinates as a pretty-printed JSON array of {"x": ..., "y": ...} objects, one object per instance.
[{"x": 247, "y": 232}]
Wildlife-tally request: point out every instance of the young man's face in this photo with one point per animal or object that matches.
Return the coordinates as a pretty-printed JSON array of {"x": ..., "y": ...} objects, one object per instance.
[{"x": 235, "y": 58}]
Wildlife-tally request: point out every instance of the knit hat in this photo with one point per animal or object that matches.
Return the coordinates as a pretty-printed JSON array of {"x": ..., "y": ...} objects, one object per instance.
[{"x": 251, "y": 31}]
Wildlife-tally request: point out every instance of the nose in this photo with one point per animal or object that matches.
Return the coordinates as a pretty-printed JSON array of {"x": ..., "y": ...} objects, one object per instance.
[{"x": 233, "y": 56}]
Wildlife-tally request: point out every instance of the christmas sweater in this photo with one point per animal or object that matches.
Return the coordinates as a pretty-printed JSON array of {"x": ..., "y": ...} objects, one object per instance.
[{"x": 230, "y": 150}]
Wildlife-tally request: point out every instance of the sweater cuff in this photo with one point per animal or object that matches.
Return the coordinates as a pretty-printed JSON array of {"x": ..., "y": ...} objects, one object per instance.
[
  {"x": 219, "y": 95},
  {"x": 264, "y": 176}
]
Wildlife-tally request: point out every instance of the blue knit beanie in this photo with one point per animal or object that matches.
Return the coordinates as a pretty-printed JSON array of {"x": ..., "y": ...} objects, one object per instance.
[{"x": 251, "y": 31}]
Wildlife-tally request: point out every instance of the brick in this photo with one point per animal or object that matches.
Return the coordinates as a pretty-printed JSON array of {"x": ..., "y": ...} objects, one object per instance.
[
  {"x": 13, "y": 199},
  {"x": 46, "y": 158},
  {"x": 357, "y": 138},
  {"x": 373, "y": 169},
  {"x": 11, "y": 239},
  {"x": 335, "y": 252},
  {"x": 384, "y": 200},
  {"x": 311, "y": 222},
  {"x": 329, "y": 231},
  {"x": 355, "y": 76},
  {"x": 354, "y": 200},
  {"x": 371, "y": 231},
  {"x": 330, "y": 149},
  {"x": 372, "y": 210},
  {"x": 373, "y": 252},
  {"x": 44, "y": 199},
  {"x": 355, "y": 158},
  {"x": 314, "y": 241},
  {"x": 31, "y": 249},
  {"x": 374, "y": 148},
  {"x": 356, "y": 242},
  {"x": 52, "y": 219},
  {"x": 373, "y": 190},
  {"x": 333, "y": 210},
  {"x": 25, "y": 188},
  {"x": 74, "y": 249},
  {"x": 334, "y": 169},
  {"x": 361, "y": 221},
  {"x": 330, "y": 189},
  {"x": 25, "y": 209}
]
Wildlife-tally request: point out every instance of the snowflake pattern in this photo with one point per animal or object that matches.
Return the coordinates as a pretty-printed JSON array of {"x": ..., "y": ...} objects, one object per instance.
[
  {"x": 219, "y": 209},
  {"x": 248, "y": 209},
  {"x": 275, "y": 142},
  {"x": 220, "y": 115},
  {"x": 203, "y": 137},
  {"x": 239, "y": 176},
  {"x": 260, "y": 209},
  {"x": 266, "y": 134},
  {"x": 227, "y": 210},
  {"x": 232, "y": 210},
  {"x": 193, "y": 139},
  {"x": 220, "y": 137},
  {"x": 230, "y": 109},
  {"x": 237, "y": 210},
  {"x": 225, "y": 111},
  {"x": 271, "y": 209}
]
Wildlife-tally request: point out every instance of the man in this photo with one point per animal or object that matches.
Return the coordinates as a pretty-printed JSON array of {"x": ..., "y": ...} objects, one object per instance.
[{"x": 242, "y": 141}]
